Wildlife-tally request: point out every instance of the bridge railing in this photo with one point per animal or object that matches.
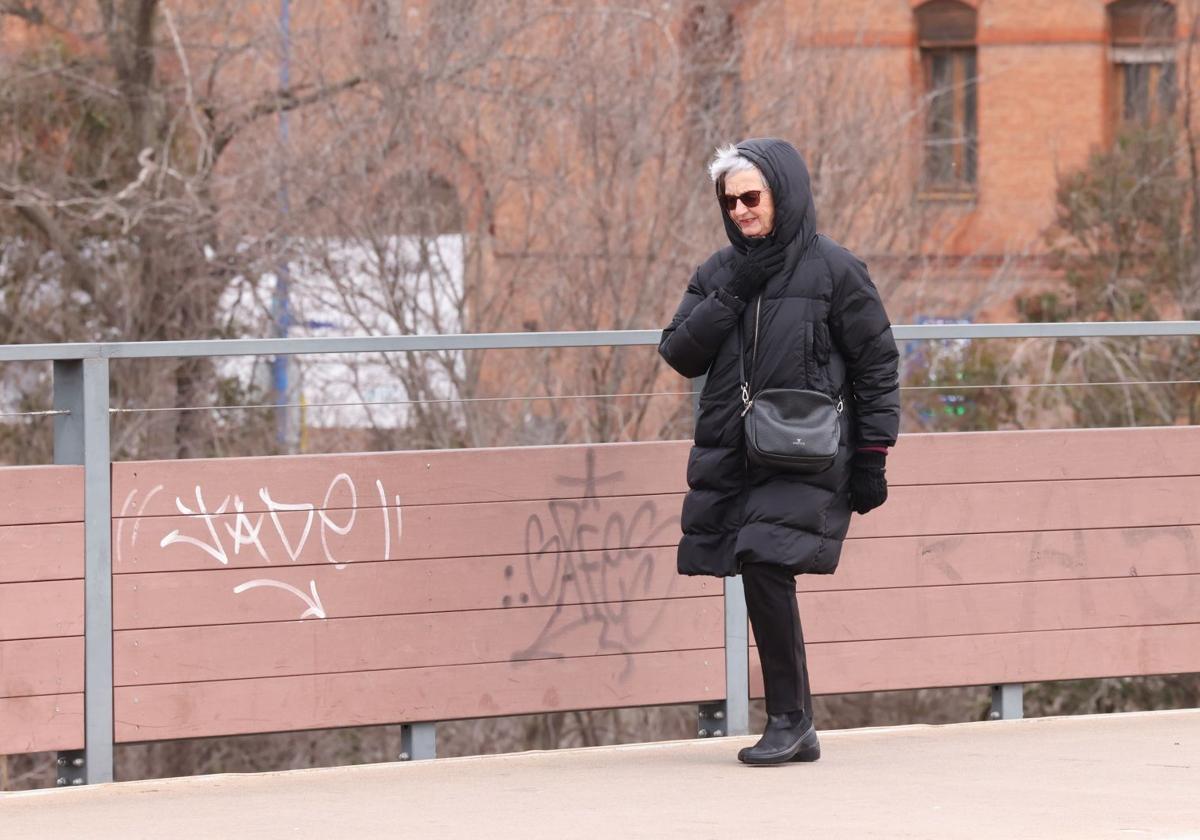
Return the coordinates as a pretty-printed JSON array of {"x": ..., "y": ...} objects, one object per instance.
[{"x": 491, "y": 582}]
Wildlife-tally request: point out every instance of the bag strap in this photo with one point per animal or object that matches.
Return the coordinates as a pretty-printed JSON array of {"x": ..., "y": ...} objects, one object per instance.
[{"x": 747, "y": 400}]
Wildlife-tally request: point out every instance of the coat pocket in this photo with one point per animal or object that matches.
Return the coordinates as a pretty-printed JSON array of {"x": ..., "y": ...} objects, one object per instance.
[
  {"x": 816, "y": 355},
  {"x": 809, "y": 355},
  {"x": 821, "y": 343}
]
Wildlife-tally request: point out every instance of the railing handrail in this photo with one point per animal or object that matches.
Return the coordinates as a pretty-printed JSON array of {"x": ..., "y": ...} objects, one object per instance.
[{"x": 537, "y": 340}]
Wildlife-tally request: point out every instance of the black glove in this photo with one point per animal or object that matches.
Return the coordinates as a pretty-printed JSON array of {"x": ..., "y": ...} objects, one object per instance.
[
  {"x": 752, "y": 271},
  {"x": 868, "y": 485}
]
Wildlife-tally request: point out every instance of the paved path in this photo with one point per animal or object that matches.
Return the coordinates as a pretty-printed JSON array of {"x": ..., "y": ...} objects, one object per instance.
[{"x": 1118, "y": 776}]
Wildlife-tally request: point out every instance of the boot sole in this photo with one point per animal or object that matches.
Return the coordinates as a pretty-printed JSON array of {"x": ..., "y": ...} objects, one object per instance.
[
  {"x": 809, "y": 754},
  {"x": 802, "y": 754},
  {"x": 782, "y": 757}
]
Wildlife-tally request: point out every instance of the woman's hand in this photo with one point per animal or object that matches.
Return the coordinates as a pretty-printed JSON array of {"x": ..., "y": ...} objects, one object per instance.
[
  {"x": 752, "y": 271},
  {"x": 868, "y": 483}
]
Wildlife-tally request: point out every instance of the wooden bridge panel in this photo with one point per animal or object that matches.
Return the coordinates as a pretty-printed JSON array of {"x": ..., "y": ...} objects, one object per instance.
[
  {"x": 913, "y": 612},
  {"x": 1001, "y": 557},
  {"x": 887, "y": 665},
  {"x": 42, "y": 609},
  {"x": 362, "y": 698},
  {"x": 43, "y": 494},
  {"x": 41, "y": 666},
  {"x": 42, "y": 723},
  {"x": 311, "y": 537},
  {"x": 446, "y": 639},
  {"x": 41, "y": 552},
  {"x": 452, "y": 476},
  {"x": 231, "y": 596},
  {"x": 176, "y": 543},
  {"x": 1034, "y": 506},
  {"x": 950, "y": 559},
  {"x": 1044, "y": 455}
]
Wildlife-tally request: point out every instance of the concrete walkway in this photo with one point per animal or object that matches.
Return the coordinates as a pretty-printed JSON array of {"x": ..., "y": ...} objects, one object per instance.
[{"x": 1118, "y": 776}]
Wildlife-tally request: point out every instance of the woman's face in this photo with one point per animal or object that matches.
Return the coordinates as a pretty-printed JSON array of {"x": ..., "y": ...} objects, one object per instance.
[{"x": 752, "y": 221}]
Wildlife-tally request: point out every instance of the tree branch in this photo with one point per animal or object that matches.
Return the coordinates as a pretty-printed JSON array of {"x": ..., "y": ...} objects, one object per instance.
[
  {"x": 277, "y": 103},
  {"x": 39, "y": 217},
  {"x": 27, "y": 12}
]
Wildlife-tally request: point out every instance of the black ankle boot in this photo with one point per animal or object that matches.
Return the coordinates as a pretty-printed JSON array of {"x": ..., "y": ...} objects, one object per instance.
[{"x": 788, "y": 737}]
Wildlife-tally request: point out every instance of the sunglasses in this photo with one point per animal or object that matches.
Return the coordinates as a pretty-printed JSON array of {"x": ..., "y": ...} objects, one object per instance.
[{"x": 749, "y": 198}]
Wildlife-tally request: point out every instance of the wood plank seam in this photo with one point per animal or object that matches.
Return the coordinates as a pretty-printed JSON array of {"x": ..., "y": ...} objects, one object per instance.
[
  {"x": 400, "y": 669},
  {"x": 924, "y": 586},
  {"x": 300, "y": 564},
  {"x": 996, "y": 634},
  {"x": 648, "y": 599},
  {"x": 410, "y": 506}
]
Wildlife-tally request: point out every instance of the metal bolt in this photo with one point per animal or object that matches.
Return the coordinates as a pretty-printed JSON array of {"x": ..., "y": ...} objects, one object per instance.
[
  {"x": 60, "y": 781},
  {"x": 62, "y": 762},
  {"x": 404, "y": 756},
  {"x": 717, "y": 733},
  {"x": 77, "y": 762},
  {"x": 77, "y": 781},
  {"x": 703, "y": 733},
  {"x": 719, "y": 714},
  {"x": 993, "y": 715}
]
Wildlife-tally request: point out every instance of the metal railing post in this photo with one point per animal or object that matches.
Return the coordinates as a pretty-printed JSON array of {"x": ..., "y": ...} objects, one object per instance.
[
  {"x": 418, "y": 741},
  {"x": 731, "y": 716},
  {"x": 82, "y": 437},
  {"x": 1008, "y": 702},
  {"x": 737, "y": 659}
]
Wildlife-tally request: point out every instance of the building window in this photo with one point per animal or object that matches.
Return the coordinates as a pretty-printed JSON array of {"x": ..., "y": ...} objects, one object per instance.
[
  {"x": 946, "y": 37},
  {"x": 1142, "y": 51}
]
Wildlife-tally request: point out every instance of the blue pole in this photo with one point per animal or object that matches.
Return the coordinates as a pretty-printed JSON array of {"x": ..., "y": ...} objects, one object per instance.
[{"x": 281, "y": 309}]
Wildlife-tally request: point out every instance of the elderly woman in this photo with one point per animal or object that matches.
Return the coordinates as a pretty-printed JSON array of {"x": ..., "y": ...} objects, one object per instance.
[{"x": 821, "y": 327}]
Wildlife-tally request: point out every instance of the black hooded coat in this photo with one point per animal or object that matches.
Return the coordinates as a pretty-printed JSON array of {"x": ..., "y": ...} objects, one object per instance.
[{"x": 822, "y": 327}]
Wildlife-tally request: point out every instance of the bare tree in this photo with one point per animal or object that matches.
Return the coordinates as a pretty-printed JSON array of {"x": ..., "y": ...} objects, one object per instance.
[{"x": 118, "y": 119}]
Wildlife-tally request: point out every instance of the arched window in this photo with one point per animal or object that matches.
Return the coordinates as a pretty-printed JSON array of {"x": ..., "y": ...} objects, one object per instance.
[
  {"x": 421, "y": 203},
  {"x": 1142, "y": 52},
  {"x": 946, "y": 37}
]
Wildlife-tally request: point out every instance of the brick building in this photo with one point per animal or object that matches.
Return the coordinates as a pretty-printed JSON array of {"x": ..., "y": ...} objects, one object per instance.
[
  {"x": 571, "y": 152},
  {"x": 1008, "y": 94}
]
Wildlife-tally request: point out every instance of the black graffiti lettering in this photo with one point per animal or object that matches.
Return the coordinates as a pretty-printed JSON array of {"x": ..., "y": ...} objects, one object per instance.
[{"x": 591, "y": 562}]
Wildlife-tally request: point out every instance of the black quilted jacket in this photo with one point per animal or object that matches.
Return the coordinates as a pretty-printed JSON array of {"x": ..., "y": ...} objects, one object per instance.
[{"x": 822, "y": 327}]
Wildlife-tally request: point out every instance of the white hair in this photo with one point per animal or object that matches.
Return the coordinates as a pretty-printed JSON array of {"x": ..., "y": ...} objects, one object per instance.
[{"x": 727, "y": 161}]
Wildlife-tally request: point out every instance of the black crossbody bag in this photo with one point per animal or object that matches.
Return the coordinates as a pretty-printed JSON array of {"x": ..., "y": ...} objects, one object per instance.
[{"x": 787, "y": 429}]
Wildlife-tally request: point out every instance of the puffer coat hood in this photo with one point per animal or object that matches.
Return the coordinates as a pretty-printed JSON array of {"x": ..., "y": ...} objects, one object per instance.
[
  {"x": 787, "y": 178},
  {"x": 823, "y": 327}
]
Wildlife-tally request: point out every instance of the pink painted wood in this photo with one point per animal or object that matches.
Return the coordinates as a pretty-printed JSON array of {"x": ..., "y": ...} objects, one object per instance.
[
  {"x": 174, "y": 543},
  {"x": 562, "y": 472},
  {"x": 41, "y": 552},
  {"x": 41, "y": 610},
  {"x": 946, "y": 560},
  {"x": 428, "y": 640},
  {"x": 454, "y": 476},
  {"x": 311, "y": 537},
  {"x": 232, "y": 596},
  {"x": 41, "y": 666},
  {"x": 973, "y": 457},
  {"x": 1034, "y": 506},
  {"x": 1009, "y": 557},
  {"x": 893, "y": 664},
  {"x": 914, "y": 612},
  {"x": 42, "y": 723},
  {"x": 35, "y": 495},
  {"x": 360, "y": 698}
]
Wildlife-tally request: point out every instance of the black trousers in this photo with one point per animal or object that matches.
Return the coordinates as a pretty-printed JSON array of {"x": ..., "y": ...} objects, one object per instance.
[{"x": 771, "y": 604}]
